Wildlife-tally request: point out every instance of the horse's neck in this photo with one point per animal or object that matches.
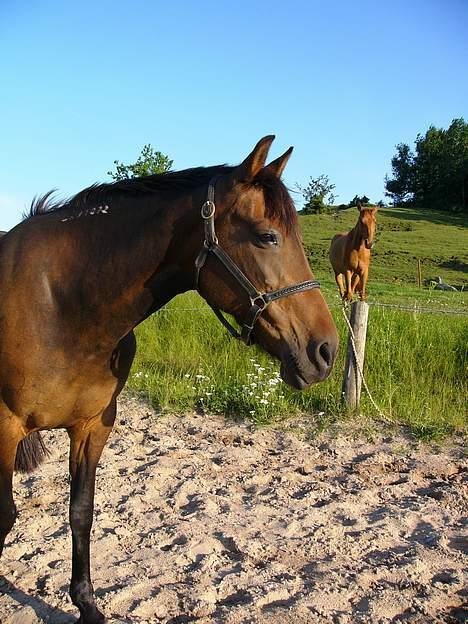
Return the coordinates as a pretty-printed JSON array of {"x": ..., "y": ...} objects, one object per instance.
[
  {"x": 144, "y": 261},
  {"x": 355, "y": 237}
]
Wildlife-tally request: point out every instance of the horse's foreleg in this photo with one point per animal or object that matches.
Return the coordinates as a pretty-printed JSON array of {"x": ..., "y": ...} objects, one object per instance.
[
  {"x": 87, "y": 439},
  {"x": 349, "y": 295},
  {"x": 9, "y": 437},
  {"x": 339, "y": 283},
  {"x": 362, "y": 286},
  {"x": 354, "y": 283}
]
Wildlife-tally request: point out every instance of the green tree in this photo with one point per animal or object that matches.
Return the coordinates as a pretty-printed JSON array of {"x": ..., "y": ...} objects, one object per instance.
[
  {"x": 357, "y": 200},
  {"x": 318, "y": 194},
  {"x": 428, "y": 167},
  {"x": 455, "y": 165},
  {"x": 436, "y": 175},
  {"x": 149, "y": 162},
  {"x": 401, "y": 187}
]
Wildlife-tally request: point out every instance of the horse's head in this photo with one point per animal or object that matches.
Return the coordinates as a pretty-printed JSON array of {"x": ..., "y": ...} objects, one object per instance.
[
  {"x": 256, "y": 224},
  {"x": 367, "y": 225}
]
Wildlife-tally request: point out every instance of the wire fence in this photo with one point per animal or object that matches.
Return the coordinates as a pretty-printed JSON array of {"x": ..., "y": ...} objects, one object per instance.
[{"x": 404, "y": 308}]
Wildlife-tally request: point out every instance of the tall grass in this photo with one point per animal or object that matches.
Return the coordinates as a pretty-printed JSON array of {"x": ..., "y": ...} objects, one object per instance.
[{"x": 415, "y": 367}]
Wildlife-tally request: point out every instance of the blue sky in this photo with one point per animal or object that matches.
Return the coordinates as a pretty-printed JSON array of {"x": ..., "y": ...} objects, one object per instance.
[{"x": 85, "y": 83}]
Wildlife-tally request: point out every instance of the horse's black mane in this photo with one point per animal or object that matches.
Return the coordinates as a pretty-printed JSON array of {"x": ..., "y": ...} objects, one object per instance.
[
  {"x": 278, "y": 201},
  {"x": 97, "y": 194}
]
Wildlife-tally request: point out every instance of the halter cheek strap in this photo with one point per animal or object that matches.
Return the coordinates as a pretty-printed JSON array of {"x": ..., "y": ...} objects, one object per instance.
[{"x": 258, "y": 301}]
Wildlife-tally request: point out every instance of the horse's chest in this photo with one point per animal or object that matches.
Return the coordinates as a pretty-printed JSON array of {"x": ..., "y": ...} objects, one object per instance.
[
  {"x": 358, "y": 261},
  {"x": 354, "y": 261}
]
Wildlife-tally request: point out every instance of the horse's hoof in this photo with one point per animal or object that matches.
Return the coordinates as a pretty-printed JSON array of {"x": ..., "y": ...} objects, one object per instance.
[{"x": 96, "y": 618}]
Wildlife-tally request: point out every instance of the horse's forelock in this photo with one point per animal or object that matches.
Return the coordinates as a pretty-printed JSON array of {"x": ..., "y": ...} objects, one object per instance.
[{"x": 278, "y": 202}]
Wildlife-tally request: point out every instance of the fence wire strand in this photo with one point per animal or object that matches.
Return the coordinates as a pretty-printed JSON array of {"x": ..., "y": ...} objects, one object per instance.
[
  {"x": 375, "y": 304},
  {"x": 394, "y": 306}
]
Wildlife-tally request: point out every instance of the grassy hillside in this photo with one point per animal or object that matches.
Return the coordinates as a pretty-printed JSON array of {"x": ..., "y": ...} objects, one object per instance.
[{"x": 439, "y": 239}]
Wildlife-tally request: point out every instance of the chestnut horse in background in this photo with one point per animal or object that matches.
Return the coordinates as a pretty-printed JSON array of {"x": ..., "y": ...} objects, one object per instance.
[
  {"x": 76, "y": 278},
  {"x": 350, "y": 255}
]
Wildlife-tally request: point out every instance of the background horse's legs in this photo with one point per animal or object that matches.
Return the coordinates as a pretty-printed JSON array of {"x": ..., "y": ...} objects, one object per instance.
[
  {"x": 361, "y": 288},
  {"x": 9, "y": 439},
  {"x": 349, "y": 286},
  {"x": 354, "y": 282},
  {"x": 87, "y": 441},
  {"x": 339, "y": 282}
]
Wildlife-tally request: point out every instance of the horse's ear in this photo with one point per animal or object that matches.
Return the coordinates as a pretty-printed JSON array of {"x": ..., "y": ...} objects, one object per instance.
[
  {"x": 255, "y": 161},
  {"x": 276, "y": 167},
  {"x": 359, "y": 206}
]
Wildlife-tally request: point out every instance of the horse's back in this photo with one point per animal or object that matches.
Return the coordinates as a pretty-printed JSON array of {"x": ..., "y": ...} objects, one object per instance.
[
  {"x": 18, "y": 266},
  {"x": 49, "y": 360},
  {"x": 32, "y": 359}
]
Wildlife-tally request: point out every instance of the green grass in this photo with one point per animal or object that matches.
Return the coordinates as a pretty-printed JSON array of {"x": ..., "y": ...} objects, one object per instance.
[
  {"x": 415, "y": 368},
  {"x": 416, "y": 363}
]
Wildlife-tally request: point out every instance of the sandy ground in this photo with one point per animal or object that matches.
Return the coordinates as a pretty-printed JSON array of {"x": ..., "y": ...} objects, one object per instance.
[{"x": 199, "y": 519}]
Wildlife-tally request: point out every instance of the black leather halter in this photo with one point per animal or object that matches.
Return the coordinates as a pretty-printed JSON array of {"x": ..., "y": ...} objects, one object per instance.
[{"x": 258, "y": 301}]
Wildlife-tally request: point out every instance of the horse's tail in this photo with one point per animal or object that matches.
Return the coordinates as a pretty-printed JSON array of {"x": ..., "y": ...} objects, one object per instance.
[{"x": 30, "y": 453}]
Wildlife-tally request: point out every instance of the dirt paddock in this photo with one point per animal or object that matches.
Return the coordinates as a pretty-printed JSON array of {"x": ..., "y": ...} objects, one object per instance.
[{"x": 199, "y": 519}]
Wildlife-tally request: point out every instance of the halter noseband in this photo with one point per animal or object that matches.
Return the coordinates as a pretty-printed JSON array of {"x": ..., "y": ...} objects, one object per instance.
[{"x": 258, "y": 301}]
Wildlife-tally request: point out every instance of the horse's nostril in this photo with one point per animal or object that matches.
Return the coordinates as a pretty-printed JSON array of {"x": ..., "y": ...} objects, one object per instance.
[
  {"x": 322, "y": 355},
  {"x": 325, "y": 353}
]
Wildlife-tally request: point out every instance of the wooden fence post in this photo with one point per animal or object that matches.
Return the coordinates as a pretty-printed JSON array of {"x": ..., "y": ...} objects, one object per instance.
[
  {"x": 352, "y": 378},
  {"x": 419, "y": 273}
]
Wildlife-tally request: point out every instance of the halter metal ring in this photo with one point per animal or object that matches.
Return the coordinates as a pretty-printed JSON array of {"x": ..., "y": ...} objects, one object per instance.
[
  {"x": 208, "y": 209},
  {"x": 259, "y": 301}
]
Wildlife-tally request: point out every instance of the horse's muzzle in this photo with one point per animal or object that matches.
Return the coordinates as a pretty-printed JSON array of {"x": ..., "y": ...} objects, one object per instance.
[{"x": 302, "y": 370}]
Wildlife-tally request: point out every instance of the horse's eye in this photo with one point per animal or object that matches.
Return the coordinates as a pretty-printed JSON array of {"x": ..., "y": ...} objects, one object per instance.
[{"x": 267, "y": 238}]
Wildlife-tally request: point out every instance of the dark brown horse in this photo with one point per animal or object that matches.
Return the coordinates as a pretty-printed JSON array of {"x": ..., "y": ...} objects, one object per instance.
[
  {"x": 76, "y": 278},
  {"x": 350, "y": 255}
]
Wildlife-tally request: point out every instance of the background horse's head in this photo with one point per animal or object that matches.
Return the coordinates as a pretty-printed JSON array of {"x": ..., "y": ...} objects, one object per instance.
[
  {"x": 257, "y": 226},
  {"x": 367, "y": 225}
]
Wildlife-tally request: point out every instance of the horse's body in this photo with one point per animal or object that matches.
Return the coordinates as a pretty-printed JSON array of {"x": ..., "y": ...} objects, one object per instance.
[
  {"x": 75, "y": 280},
  {"x": 350, "y": 254}
]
